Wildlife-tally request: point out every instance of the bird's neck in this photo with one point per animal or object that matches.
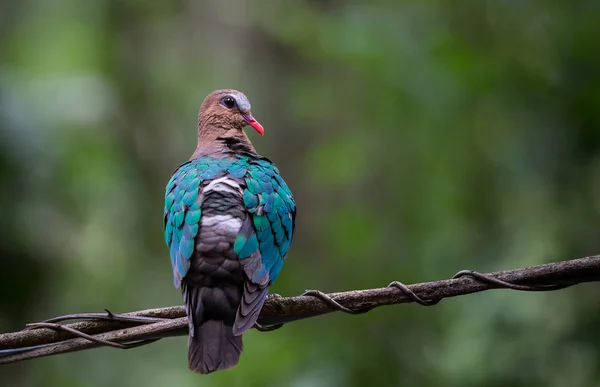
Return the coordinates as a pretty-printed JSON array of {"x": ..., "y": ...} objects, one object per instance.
[{"x": 228, "y": 142}]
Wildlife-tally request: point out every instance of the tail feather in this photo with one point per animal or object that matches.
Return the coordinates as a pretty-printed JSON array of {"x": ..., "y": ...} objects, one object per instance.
[{"x": 213, "y": 347}]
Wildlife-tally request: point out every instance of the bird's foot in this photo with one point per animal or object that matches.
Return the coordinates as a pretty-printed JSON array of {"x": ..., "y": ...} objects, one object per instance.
[
  {"x": 273, "y": 295},
  {"x": 267, "y": 328}
]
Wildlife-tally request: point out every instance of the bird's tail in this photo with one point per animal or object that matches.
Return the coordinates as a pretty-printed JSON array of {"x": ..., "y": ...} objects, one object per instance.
[{"x": 213, "y": 347}]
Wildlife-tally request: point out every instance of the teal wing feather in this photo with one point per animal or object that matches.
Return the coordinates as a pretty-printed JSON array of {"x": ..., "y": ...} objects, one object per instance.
[
  {"x": 182, "y": 212},
  {"x": 266, "y": 235},
  {"x": 182, "y": 215}
]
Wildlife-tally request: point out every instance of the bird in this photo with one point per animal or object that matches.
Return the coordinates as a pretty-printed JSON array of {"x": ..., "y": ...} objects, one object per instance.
[{"x": 229, "y": 220}]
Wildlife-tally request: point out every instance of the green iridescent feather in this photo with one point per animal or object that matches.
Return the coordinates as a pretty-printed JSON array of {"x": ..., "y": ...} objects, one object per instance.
[{"x": 268, "y": 201}]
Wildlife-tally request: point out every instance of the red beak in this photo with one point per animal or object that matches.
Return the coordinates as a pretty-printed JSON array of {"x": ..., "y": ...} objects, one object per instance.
[{"x": 253, "y": 123}]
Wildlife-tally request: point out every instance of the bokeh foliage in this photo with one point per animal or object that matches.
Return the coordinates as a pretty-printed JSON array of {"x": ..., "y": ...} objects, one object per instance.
[{"x": 419, "y": 137}]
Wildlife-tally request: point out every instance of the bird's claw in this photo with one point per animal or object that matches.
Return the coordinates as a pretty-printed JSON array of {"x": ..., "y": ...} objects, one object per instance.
[{"x": 267, "y": 328}]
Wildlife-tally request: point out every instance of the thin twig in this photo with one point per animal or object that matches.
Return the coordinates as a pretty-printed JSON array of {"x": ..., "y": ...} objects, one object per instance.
[
  {"x": 101, "y": 316},
  {"x": 65, "y": 328},
  {"x": 144, "y": 334},
  {"x": 172, "y": 321}
]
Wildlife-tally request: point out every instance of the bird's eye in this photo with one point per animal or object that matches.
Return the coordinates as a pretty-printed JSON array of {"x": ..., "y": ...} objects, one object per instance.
[{"x": 228, "y": 102}]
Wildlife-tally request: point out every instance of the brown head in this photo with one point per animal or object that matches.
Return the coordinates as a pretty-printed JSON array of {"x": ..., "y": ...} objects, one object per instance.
[{"x": 224, "y": 114}]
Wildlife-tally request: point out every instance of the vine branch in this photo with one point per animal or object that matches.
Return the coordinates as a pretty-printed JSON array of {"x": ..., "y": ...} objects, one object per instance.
[{"x": 133, "y": 329}]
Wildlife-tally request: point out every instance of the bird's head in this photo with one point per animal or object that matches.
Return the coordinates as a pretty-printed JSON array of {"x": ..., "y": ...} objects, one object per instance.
[{"x": 226, "y": 110}]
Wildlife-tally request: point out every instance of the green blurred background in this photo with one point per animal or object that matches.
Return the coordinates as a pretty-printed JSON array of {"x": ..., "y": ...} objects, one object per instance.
[{"x": 419, "y": 138}]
